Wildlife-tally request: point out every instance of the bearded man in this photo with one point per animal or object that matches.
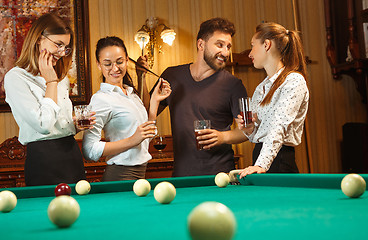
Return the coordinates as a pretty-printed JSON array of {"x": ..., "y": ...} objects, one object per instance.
[{"x": 204, "y": 90}]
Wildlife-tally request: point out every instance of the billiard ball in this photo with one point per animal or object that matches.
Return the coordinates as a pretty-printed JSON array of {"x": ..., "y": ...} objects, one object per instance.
[
  {"x": 62, "y": 189},
  {"x": 353, "y": 185},
  {"x": 141, "y": 187},
  {"x": 164, "y": 192},
  {"x": 83, "y": 187},
  {"x": 63, "y": 211},
  {"x": 211, "y": 220},
  {"x": 8, "y": 201},
  {"x": 222, "y": 179}
]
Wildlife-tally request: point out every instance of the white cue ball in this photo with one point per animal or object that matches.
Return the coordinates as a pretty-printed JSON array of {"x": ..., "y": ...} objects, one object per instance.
[
  {"x": 222, "y": 179},
  {"x": 83, "y": 187},
  {"x": 63, "y": 211},
  {"x": 141, "y": 187},
  {"x": 164, "y": 192},
  {"x": 8, "y": 201},
  {"x": 211, "y": 220},
  {"x": 353, "y": 185}
]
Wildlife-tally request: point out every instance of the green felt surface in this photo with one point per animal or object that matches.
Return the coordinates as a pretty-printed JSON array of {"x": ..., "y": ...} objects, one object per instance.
[{"x": 268, "y": 207}]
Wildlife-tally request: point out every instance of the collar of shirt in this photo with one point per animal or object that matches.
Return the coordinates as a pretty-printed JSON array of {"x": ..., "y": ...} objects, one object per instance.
[
  {"x": 112, "y": 88},
  {"x": 268, "y": 82}
]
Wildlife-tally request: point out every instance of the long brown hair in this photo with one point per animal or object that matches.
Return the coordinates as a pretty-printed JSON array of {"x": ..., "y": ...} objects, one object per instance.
[
  {"x": 290, "y": 47},
  {"x": 48, "y": 24}
]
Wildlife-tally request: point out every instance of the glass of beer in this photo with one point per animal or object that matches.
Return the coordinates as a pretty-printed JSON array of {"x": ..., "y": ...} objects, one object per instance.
[
  {"x": 245, "y": 109},
  {"x": 83, "y": 115},
  {"x": 198, "y": 126}
]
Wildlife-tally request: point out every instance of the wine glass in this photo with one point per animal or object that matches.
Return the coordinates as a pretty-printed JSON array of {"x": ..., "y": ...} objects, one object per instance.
[{"x": 159, "y": 142}]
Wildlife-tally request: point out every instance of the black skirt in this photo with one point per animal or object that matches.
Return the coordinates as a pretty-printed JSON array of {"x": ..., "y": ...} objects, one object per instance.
[
  {"x": 50, "y": 162},
  {"x": 284, "y": 161}
]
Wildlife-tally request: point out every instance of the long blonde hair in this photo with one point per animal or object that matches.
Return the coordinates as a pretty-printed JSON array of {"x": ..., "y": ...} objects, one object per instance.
[
  {"x": 48, "y": 24},
  {"x": 290, "y": 47}
]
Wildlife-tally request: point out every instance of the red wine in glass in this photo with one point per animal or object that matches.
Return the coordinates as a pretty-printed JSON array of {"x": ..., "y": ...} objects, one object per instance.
[
  {"x": 159, "y": 146},
  {"x": 247, "y": 116},
  {"x": 245, "y": 109},
  {"x": 159, "y": 142}
]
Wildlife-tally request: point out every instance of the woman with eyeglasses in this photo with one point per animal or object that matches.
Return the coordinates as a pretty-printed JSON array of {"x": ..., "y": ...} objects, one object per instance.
[
  {"x": 121, "y": 114},
  {"x": 37, "y": 91}
]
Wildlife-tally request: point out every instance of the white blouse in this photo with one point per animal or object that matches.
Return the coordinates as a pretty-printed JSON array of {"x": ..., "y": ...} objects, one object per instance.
[
  {"x": 38, "y": 118},
  {"x": 118, "y": 115},
  {"x": 281, "y": 121}
]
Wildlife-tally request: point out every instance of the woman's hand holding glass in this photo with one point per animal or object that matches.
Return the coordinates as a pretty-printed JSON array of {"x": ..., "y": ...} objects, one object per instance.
[
  {"x": 92, "y": 122},
  {"x": 247, "y": 128},
  {"x": 144, "y": 131}
]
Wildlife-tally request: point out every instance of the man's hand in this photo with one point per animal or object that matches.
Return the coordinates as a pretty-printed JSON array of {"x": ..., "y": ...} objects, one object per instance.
[
  {"x": 210, "y": 138},
  {"x": 142, "y": 60}
]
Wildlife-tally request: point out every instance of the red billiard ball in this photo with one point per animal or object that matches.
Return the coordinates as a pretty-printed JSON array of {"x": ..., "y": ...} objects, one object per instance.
[{"x": 63, "y": 189}]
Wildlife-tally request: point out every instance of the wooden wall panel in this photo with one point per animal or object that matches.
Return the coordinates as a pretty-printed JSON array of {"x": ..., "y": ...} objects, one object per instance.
[
  {"x": 8, "y": 126},
  {"x": 332, "y": 104}
]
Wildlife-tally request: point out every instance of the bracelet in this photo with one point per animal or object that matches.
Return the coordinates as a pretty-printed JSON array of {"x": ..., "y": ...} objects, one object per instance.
[{"x": 56, "y": 80}]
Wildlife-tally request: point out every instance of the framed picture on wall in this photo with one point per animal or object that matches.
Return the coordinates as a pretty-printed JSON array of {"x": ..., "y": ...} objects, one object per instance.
[{"x": 17, "y": 16}]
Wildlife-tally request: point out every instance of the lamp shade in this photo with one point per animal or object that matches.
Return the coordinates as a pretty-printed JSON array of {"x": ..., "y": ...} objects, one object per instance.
[
  {"x": 168, "y": 36},
  {"x": 142, "y": 38}
]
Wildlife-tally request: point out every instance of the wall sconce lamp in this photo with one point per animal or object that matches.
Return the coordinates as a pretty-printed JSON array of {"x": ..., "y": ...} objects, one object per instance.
[{"x": 146, "y": 37}]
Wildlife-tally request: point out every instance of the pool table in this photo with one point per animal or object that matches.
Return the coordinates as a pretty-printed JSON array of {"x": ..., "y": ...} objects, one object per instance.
[{"x": 266, "y": 206}]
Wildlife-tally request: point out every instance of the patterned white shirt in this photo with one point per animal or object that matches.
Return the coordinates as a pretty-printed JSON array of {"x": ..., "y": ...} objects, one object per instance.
[
  {"x": 38, "y": 118},
  {"x": 118, "y": 115},
  {"x": 281, "y": 121}
]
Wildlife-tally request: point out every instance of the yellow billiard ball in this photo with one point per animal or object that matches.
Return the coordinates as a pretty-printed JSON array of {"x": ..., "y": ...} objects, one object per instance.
[
  {"x": 141, "y": 187},
  {"x": 63, "y": 211},
  {"x": 164, "y": 192},
  {"x": 222, "y": 179},
  {"x": 83, "y": 187},
  {"x": 8, "y": 201},
  {"x": 353, "y": 185},
  {"x": 211, "y": 220}
]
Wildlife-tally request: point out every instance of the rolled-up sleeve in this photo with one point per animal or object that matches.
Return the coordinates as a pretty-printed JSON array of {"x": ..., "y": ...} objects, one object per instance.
[{"x": 93, "y": 147}]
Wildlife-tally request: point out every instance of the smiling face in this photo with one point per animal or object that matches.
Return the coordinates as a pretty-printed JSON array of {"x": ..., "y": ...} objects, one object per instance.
[
  {"x": 55, "y": 44},
  {"x": 216, "y": 50},
  {"x": 113, "y": 62}
]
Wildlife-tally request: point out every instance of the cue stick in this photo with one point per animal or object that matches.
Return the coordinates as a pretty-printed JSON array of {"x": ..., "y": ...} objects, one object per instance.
[
  {"x": 139, "y": 65},
  {"x": 308, "y": 145}
]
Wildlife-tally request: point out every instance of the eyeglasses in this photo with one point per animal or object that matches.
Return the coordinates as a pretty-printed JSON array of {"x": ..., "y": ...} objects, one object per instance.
[
  {"x": 60, "y": 47},
  {"x": 109, "y": 65}
]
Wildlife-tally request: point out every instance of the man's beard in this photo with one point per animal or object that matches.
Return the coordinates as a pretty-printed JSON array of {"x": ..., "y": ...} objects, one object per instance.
[{"x": 211, "y": 61}]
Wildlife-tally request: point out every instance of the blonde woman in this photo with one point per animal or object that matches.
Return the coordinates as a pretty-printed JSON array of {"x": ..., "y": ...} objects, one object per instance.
[{"x": 37, "y": 90}]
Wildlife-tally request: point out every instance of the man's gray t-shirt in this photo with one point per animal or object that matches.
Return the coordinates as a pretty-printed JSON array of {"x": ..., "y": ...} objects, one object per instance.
[{"x": 215, "y": 98}]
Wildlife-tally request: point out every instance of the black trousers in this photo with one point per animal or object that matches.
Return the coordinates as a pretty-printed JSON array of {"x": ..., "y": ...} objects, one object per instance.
[
  {"x": 50, "y": 162},
  {"x": 284, "y": 161}
]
